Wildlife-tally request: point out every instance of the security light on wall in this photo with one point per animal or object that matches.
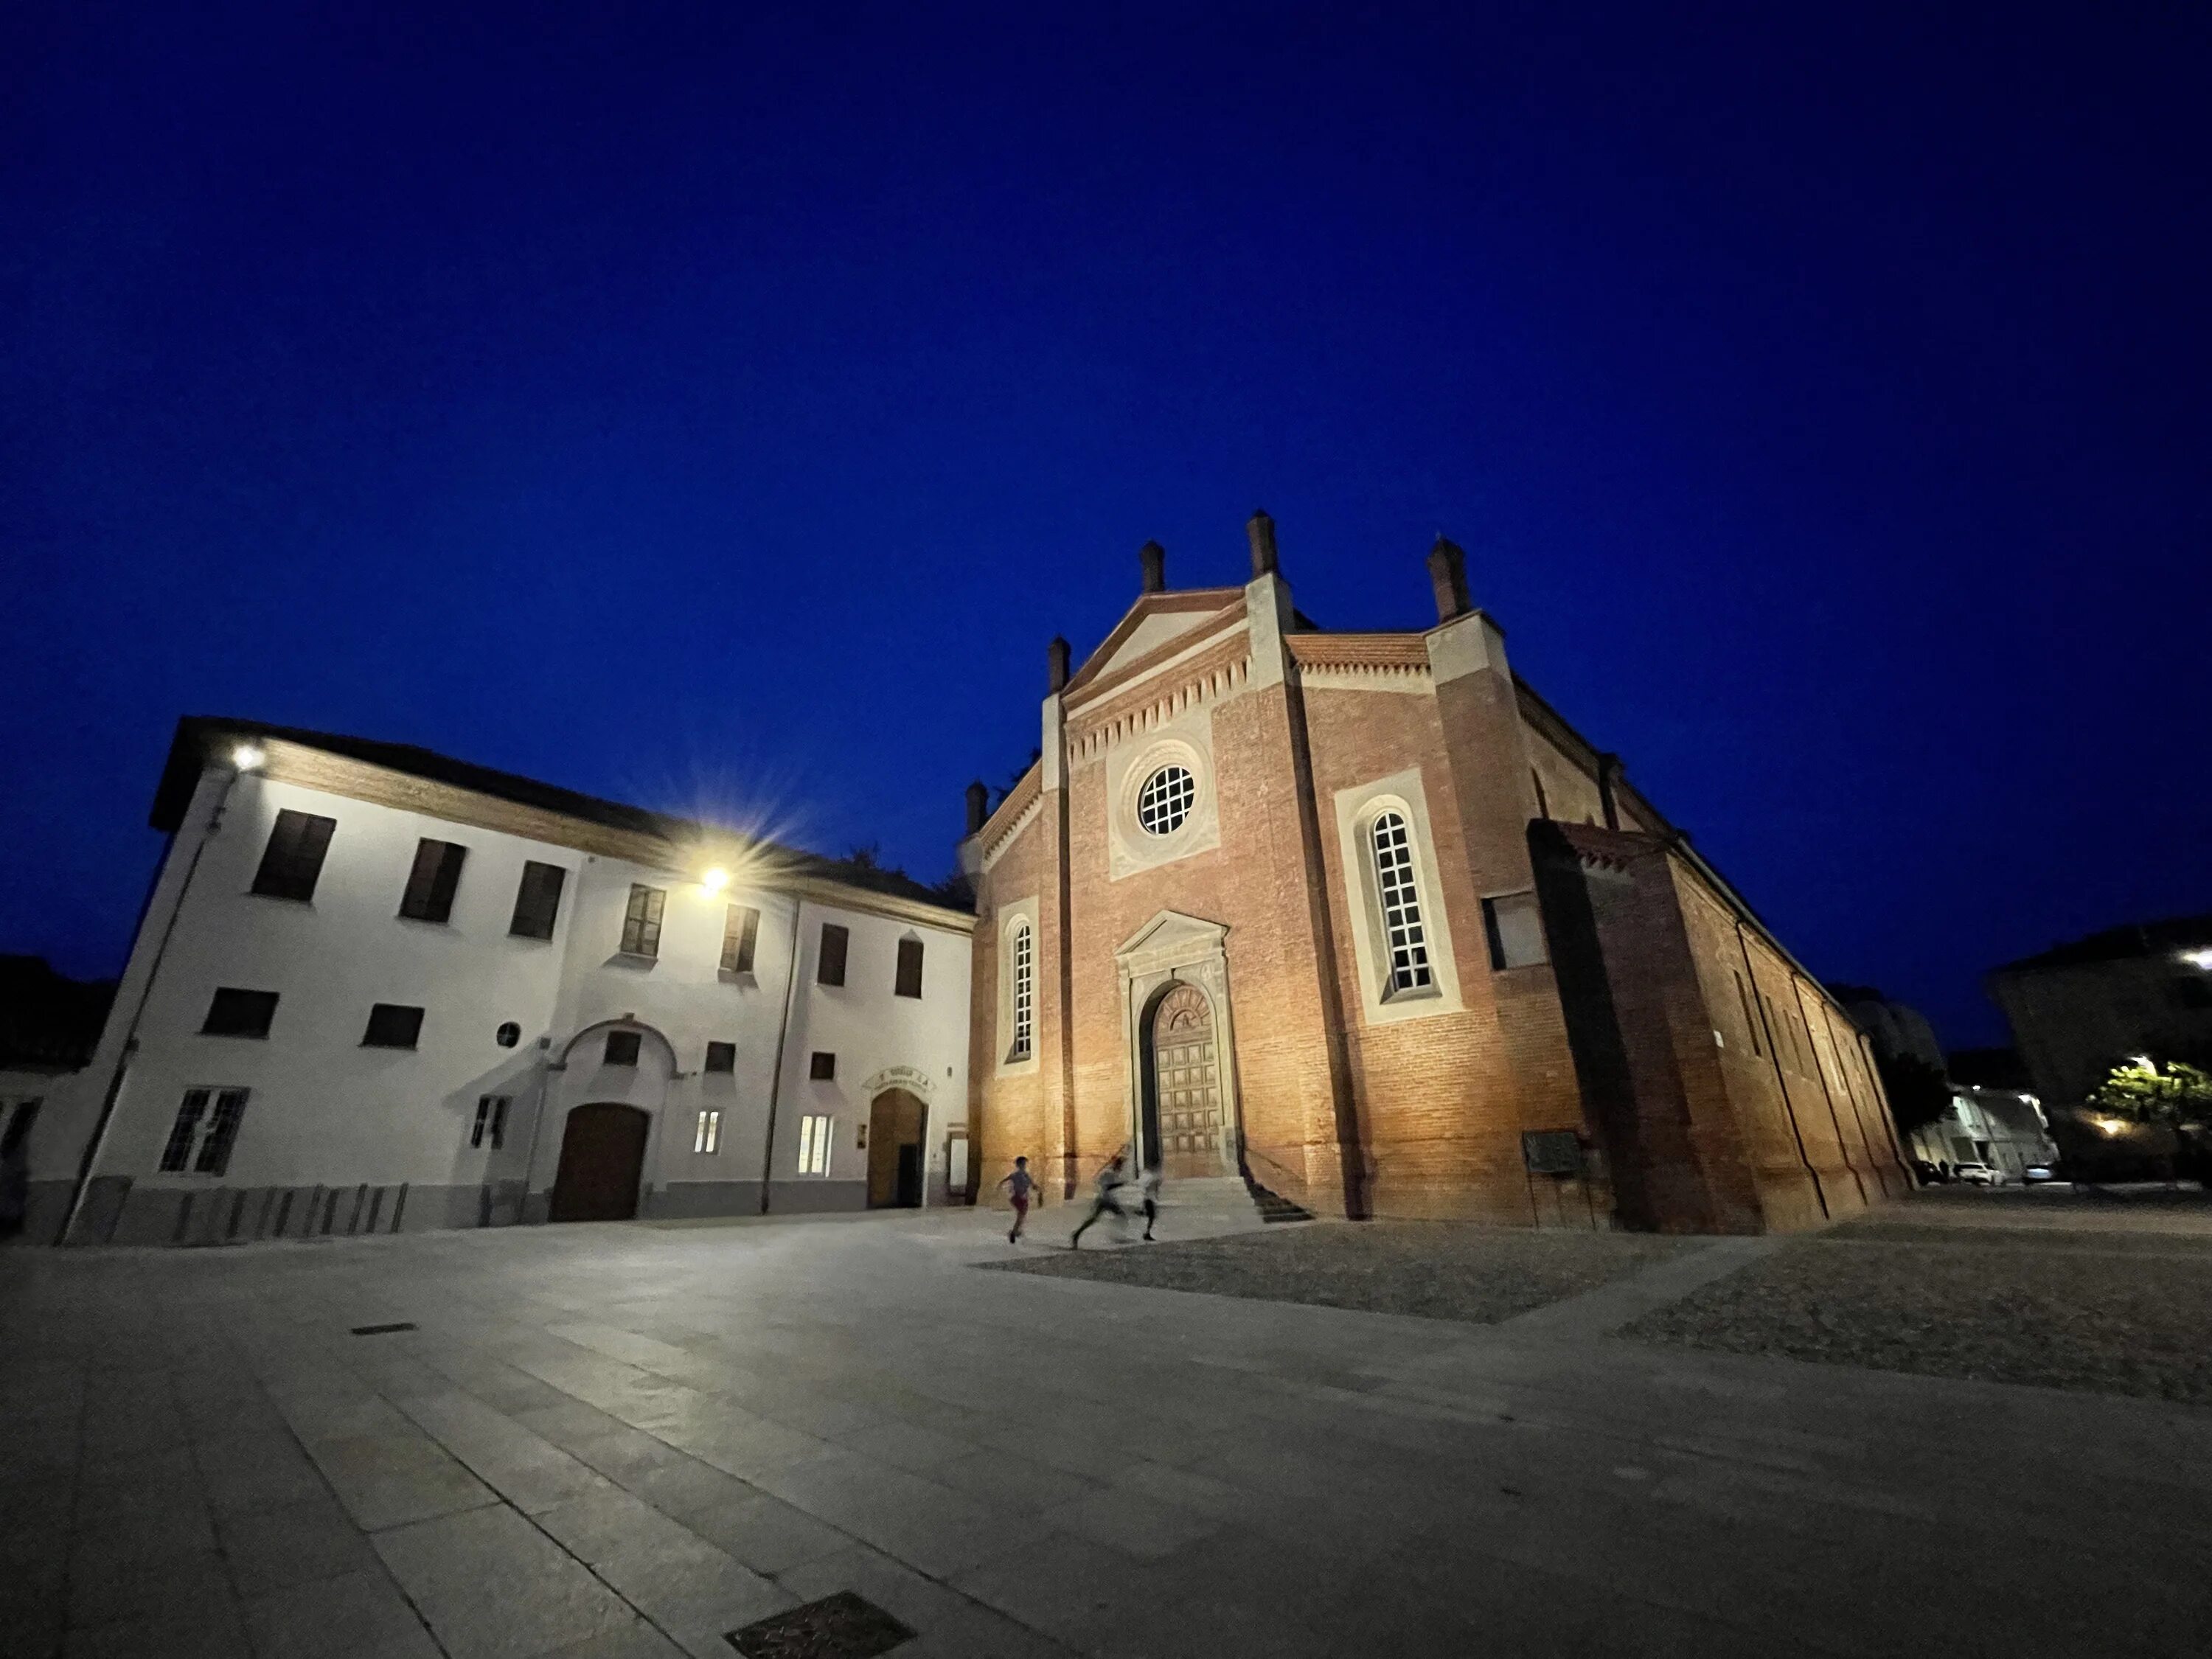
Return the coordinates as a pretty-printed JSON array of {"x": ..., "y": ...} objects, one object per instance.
[
  {"x": 715, "y": 879},
  {"x": 247, "y": 758},
  {"x": 2198, "y": 958}
]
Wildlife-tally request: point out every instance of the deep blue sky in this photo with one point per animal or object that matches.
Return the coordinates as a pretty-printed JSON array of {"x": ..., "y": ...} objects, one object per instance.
[{"x": 715, "y": 407}]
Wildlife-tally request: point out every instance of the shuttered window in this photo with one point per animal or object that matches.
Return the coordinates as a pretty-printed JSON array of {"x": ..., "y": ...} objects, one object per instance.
[
  {"x": 537, "y": 901},
  {"x": 721, "y": 1056},
  {"x": 909, "y": 968},
  {"x": 821, "y": 1067},
  {"x": 233, "y": 1012},
  {"x": 432, "y": 882},
  {"x": 491, "y": 1121},
  {"x": 836, "y": 940},
  {"x": 205, "y": 1130},
  {"x": 392, "y": 1025},
  {"x": 623, "y": 1047},
  {"x": 641, "y": 935},
  {"x": 292, "y": 862},
  {"x": 740, "y": 933}
]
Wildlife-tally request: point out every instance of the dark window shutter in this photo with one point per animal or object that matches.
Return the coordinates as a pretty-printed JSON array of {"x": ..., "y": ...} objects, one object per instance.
[
  {"x": 233, "y": 1012},
  {"x": 740, "y": 933},
  {"x": 293, "y": 862},
  {"x": 910, "y": 967},
  {"x": 181, "y": 1132},
  {"x": 392, "y": 1025},
  {"x": 835, "y": 941},
  {"x": 431, "y": 883},
  {"x": 821, "y": 1067},
  {"x": 538, "y": 900},
  {"x": 721, "y": 1056},
  {"x": 624, "y": 1047}
]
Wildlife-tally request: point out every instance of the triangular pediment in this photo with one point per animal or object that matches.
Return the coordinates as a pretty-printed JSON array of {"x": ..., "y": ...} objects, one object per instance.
[
  {"x": 1170, "y": 929},
  {"x": 1154, "y": 623}
]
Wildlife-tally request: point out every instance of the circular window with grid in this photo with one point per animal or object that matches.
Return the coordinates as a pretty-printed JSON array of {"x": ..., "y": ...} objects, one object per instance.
[{"x": 1165, "y": 800}]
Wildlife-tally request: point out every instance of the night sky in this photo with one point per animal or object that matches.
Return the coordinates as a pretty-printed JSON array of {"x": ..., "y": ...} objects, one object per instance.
[{"x": 719, "y": 409}]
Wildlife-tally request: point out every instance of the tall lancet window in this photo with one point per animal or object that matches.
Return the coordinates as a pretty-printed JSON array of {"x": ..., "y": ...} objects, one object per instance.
[
  {"x": 1407, "y": 942},
  {"x": 1024, "y": 990}
]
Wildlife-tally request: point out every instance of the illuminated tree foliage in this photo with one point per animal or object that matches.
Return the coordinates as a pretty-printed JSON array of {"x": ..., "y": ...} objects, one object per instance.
[{"x": 2144, "y": 1091}]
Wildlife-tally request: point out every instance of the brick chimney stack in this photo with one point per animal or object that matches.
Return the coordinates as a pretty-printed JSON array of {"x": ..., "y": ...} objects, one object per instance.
[
  {"x": 979, "y": 798},
  {"x": 1152, "y": 561},
  {"x": 1260, "y": 530},
  {"x": 1447, "y": 571},
  {"x": 1056, "y": 656}
]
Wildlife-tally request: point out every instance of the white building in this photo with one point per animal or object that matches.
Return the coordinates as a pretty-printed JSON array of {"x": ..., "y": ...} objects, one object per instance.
[
  {"x": 376, "y": 989},
  {"x": 2003, "y": 1128}
]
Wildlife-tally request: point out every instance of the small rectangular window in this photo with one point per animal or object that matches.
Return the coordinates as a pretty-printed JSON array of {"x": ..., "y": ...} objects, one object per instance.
[
  {"x": 641, "y": 935},
  {"x": 233, "y": 1012},
  {"x": 1516, "y": 930},
  {"x": 212, "y": 1133},
  {"x": 821, "y": 1067},
  {"x": 709, "y": 1136},
  {"x": 392, "y": 1025},
  {"x": 491, "y": 1120},
  {"x": 293, "y": 862},
  {"x": 831, "y": 970},
  {"x": 909, "y": 968},
  {"x": 721, "y": 1056},
  {"x": 537, "y": 901},
  {"x": 814, "y": 1135},
  {"x": 741, "y": 931},
  {"x": 623, "y": 1047},
  {"x": 431, "y": 882}
]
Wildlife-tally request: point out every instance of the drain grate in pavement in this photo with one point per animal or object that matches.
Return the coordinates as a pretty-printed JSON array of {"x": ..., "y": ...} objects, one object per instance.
[
  {"x": 840, "y": 1626},
  {"x": 383, "y": 1330}
]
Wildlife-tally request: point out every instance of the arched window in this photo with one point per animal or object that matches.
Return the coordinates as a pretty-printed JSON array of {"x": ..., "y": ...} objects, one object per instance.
[
  {"x": 1402, "y": 933},
  {"x": 1021, "y": 990}
]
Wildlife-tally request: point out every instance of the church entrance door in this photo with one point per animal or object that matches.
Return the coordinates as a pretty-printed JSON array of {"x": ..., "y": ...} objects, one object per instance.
[
  {"x": 1182, "y": 1114},
  {"x": 602, "y": 1156},
  {"x": 895, "y": 1131}
]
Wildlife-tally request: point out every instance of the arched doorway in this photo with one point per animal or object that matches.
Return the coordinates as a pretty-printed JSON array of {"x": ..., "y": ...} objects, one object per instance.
[
  {"x": 602, "y": 1156},
  {"x": 1183, "y": 1122},
  {"x": 895, "y": 1119}
]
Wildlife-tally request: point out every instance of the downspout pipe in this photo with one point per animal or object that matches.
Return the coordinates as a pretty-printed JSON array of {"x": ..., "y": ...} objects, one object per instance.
[
  {"x": 782, "y": 1036},
  {"x": 98, "y": 1140}
]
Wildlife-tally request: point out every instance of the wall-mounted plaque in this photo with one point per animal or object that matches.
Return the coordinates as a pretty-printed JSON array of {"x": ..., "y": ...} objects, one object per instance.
[{"x": 1552, "y": 1152}]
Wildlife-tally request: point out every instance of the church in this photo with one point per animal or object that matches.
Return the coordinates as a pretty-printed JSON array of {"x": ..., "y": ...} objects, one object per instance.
[{"x": 1356, "y": 923}]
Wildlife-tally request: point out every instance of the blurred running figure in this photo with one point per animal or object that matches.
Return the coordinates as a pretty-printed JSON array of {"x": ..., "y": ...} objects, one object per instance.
[
  {"x": 1111, "y": 1180},
  {"x": 1150, "y": 1188},
  {"x": 1018, "y": 1185}
]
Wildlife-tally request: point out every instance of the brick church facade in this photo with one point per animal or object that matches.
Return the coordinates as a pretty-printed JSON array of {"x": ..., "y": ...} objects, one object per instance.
[{"x": 1358, "y": 920}]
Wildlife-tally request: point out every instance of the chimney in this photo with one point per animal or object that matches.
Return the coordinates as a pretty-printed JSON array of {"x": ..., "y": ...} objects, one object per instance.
[
  {"x": 978, "y": 799},
  {"x": 1152, "y": 561},
  {"x": 1055, "y": 673},
  {"x": 1260, "y": 530},
  {"x": 1447, "y": 571}
]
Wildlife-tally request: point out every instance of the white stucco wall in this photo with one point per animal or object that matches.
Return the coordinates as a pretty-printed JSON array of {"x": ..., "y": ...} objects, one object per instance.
[{"x": 327, "y": 1112}]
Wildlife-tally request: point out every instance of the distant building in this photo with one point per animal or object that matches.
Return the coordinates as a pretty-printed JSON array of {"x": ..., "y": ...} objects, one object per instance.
[
  {"x": 2079, "y": 1009},
  {"x": 48, "y": 1025},
  {"x": 379, "y": 989},
  {"x": 2005, "y": 1128},
  {"x": 1357, "y": 918},
  {"x": 1897, "y": 1029}
]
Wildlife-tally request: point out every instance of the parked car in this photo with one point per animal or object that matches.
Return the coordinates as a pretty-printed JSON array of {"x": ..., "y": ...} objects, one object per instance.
[{"x": 1977, "y": 1175}]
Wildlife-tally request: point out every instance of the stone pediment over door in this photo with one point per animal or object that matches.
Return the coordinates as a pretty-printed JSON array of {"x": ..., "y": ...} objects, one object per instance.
[{"x": 1172, "y": 936}]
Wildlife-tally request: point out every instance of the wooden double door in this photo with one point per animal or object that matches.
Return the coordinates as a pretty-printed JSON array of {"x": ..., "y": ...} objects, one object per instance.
[
  {"x": 1184, "y": 1123},
  {"x": 896, "y": 1120}
]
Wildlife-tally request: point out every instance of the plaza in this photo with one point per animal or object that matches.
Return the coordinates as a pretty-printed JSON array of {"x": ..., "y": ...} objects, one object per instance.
[{"x": 630, "y": 1439}]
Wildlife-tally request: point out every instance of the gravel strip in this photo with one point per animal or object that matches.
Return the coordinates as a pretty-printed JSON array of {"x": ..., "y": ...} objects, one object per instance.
[
  {"x": 2111, "y": 1313},
  {"x": 1430, "y": 1269}
]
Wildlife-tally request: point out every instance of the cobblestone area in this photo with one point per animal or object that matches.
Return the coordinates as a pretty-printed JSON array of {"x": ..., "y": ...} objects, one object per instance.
[
  {"x": 1430, "y": 1269},
  {"x": 2114, "y": 1312}
]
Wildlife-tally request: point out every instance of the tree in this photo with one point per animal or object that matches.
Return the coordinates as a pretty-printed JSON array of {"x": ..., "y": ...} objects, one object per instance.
[
  {"x": 2143, "y": 1090},
  {"x": 1918, "y": 1092}
]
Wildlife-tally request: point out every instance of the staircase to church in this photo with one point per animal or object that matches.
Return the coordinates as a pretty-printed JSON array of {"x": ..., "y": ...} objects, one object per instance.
[{"x": 1230, "y": 1204}]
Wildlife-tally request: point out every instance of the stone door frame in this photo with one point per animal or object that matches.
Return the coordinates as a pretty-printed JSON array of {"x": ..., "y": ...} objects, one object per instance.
[{"x": 1174, "y": 948}]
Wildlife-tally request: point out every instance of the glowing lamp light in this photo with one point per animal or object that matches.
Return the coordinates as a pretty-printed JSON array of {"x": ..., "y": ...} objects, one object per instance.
[
  {"x": 2145, "y": 1061},
  {"x": 715, "y": 879},
  {"x": 246, "y": 757},
  {"x": 2108, "y": 1126},
  {"x": 2198, "y": 959}
]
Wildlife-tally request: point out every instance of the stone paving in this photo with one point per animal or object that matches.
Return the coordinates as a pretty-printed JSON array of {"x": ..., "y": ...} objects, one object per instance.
[{"x": 603, "y": 1441}]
